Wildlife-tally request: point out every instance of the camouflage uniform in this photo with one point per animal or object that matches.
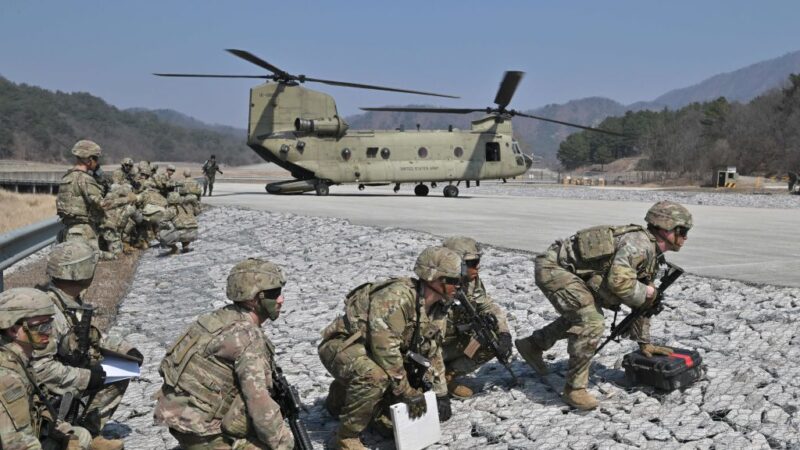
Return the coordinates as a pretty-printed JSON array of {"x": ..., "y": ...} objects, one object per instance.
[
  {"x": 21, "y": 410},
  {"x": 599, "y": 267},
  {"x": 152, "y": 205},
  {"x": 79, "y": 200},
  {"x": 120, "y": 216},
  {"x": 126, "y": 174},
  {"x": 182, "y": 226},
  {"x": 52, "y": 366},
  {"x": 210, "y": 169},
  {"x": 218, "y": 374},
  {"x": 365, "y": 349}
]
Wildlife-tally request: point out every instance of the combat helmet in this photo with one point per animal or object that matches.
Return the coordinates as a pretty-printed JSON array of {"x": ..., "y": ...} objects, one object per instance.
[
  {"x": 127, "y": 162},
  {"x": 252, "y": 276},
  {"x": 174, "y": 198},
  {"x": 437, "y": 262},
  {"x": 22, "y": 303},
  {"x": 86, "y": 149},
  {"x": 144, "y": 168},
  {"x": 71, "y": 260},
  {"x": 668, "y": 214},
  {"x": 171, "y": 167},
  {"x": 187, "y": 173},
  {"x": 466, "y": 247}
]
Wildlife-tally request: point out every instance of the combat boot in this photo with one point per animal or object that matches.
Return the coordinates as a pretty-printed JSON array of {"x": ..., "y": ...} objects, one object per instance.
[
  {"x": 579, "y": 398},
  {"x": 343, "y": 443},
  {"x": 532, "y": 354},
  {"x": 173, "y": 249},
  {"x": 101, "y": 443},
  {"x": 456, "y": 389}
]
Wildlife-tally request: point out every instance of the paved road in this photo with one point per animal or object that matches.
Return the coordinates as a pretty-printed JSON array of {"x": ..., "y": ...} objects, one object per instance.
[{"x": 750, "y": 244}]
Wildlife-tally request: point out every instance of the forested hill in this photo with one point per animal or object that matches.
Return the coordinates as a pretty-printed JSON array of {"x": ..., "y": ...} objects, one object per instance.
[{"x": 41, "y": 125}]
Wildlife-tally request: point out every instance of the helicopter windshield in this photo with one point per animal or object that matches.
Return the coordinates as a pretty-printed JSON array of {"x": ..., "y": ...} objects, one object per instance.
[{"x": 515, "y": 148}]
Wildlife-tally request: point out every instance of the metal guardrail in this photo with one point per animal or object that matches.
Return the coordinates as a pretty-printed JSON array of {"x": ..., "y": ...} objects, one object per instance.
[{"x": 23, "y": 242}]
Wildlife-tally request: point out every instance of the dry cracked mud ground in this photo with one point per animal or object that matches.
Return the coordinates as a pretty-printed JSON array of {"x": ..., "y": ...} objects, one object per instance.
[{"x": 747, "y": 335}]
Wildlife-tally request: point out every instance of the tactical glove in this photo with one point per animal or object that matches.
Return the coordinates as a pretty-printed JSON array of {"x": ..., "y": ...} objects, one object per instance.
[
  {"x": 136, "y": 354},
  {"x": 504, "y": 345},
  {"x": 648, "y": 301},
  {"x": 97, "y": 378},
  {"x": 416, "y": 405},
  {"x": 649, "y": 350},
  {"x": 445, "y": 411}
]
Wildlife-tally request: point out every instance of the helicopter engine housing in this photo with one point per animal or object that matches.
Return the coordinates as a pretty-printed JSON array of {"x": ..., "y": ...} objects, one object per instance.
[{"x": 335, "y": 126}]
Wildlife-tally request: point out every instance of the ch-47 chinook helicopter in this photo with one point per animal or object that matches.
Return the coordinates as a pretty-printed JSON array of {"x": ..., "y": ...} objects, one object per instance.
[{"x": 300, "y": 130}]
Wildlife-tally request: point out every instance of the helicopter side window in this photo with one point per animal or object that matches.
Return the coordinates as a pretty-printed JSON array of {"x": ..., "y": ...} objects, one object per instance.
[
  {"x": 515, "y": 148},
  {"x": 422, "y": 152},
  {"x": 372, "y": 152},
  {"x": 346, "y": 154},
  {"x": 458, "y": 152},
  {"x": 385, "y": 153},
  {"x": 492, "y": 151}
]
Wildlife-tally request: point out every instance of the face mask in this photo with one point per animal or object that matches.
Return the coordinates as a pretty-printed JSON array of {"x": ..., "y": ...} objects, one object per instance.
[{"x": 268, "y": 307}]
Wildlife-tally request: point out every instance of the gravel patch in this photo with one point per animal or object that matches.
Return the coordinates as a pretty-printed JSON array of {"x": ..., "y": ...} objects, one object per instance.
[{"x": 747, "y": 335}]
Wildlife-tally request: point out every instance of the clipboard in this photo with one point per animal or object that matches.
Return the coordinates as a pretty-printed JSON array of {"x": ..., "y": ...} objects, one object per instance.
[{"x": 416, "y": 434}]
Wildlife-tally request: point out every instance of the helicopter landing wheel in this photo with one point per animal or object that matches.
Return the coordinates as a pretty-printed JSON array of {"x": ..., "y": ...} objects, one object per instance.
[
  {"x": 397, "y": 188},
  {"x": 421, "y": 190},
  {"x": 450, "y": 191},
  {"x": 322, "y": 188}
]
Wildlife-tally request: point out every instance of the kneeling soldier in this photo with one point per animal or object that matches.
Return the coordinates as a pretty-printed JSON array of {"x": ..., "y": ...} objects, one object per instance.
[
  {"x": 26, "y": 319},
  {"x": 385, "y": 325},
  {"x": 218, "y": 374},
  {"x": 601, "y": 267},
  {"x": 463, "y": 353}
]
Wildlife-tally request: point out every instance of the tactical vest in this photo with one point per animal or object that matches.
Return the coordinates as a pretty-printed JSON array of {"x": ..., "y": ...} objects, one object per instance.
[
  {"x": 357, "y": 305},
  {"x": 593, "y": 248},
  {"x": 190, "y": 187},
  {"x": 190, "y": 370},
  {"x": 70, "y": 202},
  {"x": 17, "y": 401}
]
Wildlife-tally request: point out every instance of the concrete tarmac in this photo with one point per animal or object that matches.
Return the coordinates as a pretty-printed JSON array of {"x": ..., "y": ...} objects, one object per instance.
[{"x": 755, "y": 245}]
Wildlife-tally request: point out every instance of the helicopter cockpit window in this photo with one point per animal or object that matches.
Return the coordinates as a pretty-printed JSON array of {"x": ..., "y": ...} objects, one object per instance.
[
  {"x": 515, "y": 148},
  {"x": 492, "y": 151},
  {"x": 372, "y": 152},
  {"x": 385, "y": 153},
  {"x": 422, "y": 152},
  {"x": 346, "y": 154},
  {"x": 458, "y": 152}
]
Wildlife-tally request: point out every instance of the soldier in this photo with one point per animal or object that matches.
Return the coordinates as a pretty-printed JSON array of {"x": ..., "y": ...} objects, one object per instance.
[
  {"x": 80, "y": 198},
  {"x": 384, "y": 325},
  {"x": 182, "y": 226},
  {"x": 601, "y": 267},
  {"x": 61, "y": 367},
  {"x": 26, "y": 318},
  {"x": 191, "y": 192},
  {"x": 126, "y": 174},
  {"x": 218, "y": 374},
  {"x": 153, "y": 207},
  {"x": 462, "y": 351},
  {"x": 164, "y": 182},
  {"x": 210, "y": 169},
  {"x": 120, "y": 217}
]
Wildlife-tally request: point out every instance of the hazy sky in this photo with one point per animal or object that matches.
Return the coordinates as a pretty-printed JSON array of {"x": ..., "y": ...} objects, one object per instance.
[{"x": 626, "y": 50}]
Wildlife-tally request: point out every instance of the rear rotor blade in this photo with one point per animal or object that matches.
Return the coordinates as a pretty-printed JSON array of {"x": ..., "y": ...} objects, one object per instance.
[
  {"x": 247, "y": 56},
  {"x": 198, "y": 75},
  {"x": 507, "y": 88},
  {"x": 427, "y": 110},
  {"x": 570, "y": 124},
  {"x": 377, "y": 88}
]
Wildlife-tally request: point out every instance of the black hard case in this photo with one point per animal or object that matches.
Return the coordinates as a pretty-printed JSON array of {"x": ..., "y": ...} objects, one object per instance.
[{"x": 664, "y": 372}]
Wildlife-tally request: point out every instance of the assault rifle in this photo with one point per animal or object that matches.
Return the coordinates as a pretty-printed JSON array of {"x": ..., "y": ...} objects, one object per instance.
[
  {"x": 79, "y": 357},
  {"x": 285, "y": 395},
  {"x": 484, "y": 331},
  {"x": 672, "y": 273}
]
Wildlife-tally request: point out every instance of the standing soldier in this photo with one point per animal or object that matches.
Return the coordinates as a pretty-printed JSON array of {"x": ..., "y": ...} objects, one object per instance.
[
  {"x": 462, "y": 351},
  {"x": 601, "y": 267},
  {"x": 63, "y": 366},
  {"x": 26, "y": 318},
  {"x": 386, "y": 326},
  {"x": 210, "y": 169},
  {"x": 80, "y": 197},
  {"x": 218, "y": 374}
]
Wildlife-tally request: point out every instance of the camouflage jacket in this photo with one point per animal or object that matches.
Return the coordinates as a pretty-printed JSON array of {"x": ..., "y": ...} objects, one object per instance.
[
  {"x": 218, "y": 373},
  {"x": 119, "y": 205},
  {"x": 388, "y": 317},
  {"x": 19, "y": 417},
  {"x": 120, "y": 176},
  {"x": 50, "y": 366},
  {"x": 184, "y": 216},
  {"x": 622, "y": 276},
  {"x": 80, "y": 198},
  {"x": 459, "y": 320}
]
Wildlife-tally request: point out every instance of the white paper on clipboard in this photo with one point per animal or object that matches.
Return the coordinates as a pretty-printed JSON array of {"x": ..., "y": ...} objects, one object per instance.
[
  {"x": 119, "y": 369},
  {"x": 416, "y": 434}
]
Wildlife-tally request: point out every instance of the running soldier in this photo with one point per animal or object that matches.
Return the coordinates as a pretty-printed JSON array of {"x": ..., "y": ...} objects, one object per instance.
[
  {"x": 62, "y": 366},
  {"x": 210, "y": 169},
  {"x": 387, "y": 325},
  {"x": 601, "y": 267},
  {"x": 218, "y": 374},
  {"x": 463, "y": 353}
]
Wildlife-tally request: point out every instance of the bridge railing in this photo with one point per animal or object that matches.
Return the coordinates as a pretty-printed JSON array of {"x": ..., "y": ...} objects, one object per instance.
[{"x": 18, "y": 244}]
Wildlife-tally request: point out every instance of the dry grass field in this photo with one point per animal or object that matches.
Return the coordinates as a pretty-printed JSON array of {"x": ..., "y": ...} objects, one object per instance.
[{"x": 19, "y": 210}]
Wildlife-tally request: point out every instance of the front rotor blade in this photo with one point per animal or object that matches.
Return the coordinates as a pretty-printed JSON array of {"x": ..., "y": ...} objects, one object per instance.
[
  {"x": 377, "y": 88},
  {"x": 427, "y": 110},
  {"x": 507, "y": 88},
  {"x": 571, "y": 124},
  {"x": 198, "y": 75},
  {"x": 247, "y": 56}
]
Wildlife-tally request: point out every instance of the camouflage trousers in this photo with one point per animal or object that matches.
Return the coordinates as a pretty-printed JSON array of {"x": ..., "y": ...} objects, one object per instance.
[
  {"x": 456, "y": 362},
  {"x": 172, "y": 235},
  {"x": 216, "y": 442},
  {"x": 208, "y": 185},
  {"x": 103, "y": 405},
  {"x": 83, "y": 232},
  {"x": 83, "y": 436},
  {"x": 360, "y": 387},
  {"x": 113, "y": 241}
]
